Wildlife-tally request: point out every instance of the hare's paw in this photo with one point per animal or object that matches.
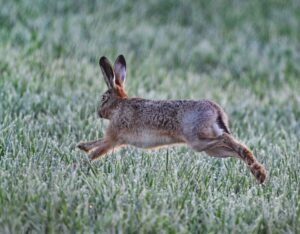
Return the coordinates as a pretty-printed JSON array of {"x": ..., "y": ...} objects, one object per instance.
[
  {"x": 83, "y": 146},
  {"x": 259, "y": 172}
]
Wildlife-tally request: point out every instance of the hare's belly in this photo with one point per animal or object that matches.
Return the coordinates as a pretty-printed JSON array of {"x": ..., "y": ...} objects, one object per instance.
[{"x": 149, "y": 139}]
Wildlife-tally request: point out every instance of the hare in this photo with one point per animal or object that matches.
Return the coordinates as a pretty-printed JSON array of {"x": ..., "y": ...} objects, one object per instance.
[{"x": 202, "y": 125}]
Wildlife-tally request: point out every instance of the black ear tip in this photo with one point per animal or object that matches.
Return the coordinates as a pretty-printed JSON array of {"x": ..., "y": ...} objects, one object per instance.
[
  {"x": 121, "y": 59},
  {"x": 102, "y": 60}
]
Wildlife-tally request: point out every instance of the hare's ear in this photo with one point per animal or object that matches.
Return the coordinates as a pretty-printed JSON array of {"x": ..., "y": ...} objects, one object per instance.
[
  {"x": 120, "y": 70},
  {"x": 108, "y": 72}
]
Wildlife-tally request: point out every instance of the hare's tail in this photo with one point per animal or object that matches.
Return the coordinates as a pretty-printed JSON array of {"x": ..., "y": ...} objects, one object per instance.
[{"x": 222, "y": 123}]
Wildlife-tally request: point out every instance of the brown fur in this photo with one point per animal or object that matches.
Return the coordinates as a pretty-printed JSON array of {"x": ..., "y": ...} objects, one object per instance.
[
  {"x": 120, "y": 91},
  {"x": 203, "y": 125}
]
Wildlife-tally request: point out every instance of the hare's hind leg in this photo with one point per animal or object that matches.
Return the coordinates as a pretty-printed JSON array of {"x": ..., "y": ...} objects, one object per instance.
[
  {"x": 221, "y": 152},
  {"x": 203, "y": 144},
  {"x": 257, "y": 169},
  {"x": 224, "y": 146}
]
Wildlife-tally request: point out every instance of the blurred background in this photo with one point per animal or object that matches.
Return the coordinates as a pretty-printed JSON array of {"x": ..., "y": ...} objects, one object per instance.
[{"x": 244, "y": 55}]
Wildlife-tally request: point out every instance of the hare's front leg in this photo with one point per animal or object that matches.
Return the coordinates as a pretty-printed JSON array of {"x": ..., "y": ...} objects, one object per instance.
[
  {"x": 89, "y": 145},
  {"x": 103, "y": 146}
]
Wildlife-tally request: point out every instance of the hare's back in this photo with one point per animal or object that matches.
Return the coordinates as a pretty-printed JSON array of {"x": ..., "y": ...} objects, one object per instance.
[{"x": 170, "y": 115}]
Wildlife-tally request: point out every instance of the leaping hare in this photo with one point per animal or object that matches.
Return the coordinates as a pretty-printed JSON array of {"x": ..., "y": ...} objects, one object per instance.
[{"x": 203, "y": 125}]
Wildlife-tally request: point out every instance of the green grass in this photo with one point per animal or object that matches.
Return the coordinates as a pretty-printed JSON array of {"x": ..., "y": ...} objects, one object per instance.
[{"x": 243, "y": 54}]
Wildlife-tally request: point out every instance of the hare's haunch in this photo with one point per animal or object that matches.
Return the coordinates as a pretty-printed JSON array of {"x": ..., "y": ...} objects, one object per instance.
[{"x": 203, "y": 125}]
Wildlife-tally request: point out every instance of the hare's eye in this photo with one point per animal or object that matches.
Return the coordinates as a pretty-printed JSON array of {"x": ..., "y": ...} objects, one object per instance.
[{"x": 104, "y": 99}]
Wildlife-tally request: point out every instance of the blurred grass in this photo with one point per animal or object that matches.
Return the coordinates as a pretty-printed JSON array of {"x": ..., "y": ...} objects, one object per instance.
[{"x": 242, "y": 54}]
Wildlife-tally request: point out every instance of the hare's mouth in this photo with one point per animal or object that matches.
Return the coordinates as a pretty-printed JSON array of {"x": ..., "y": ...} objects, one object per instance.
[{"x": 99, "y": 114}]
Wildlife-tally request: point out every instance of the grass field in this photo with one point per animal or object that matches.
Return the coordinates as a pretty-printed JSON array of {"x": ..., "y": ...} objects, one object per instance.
[{"x": 244, "y": 55}]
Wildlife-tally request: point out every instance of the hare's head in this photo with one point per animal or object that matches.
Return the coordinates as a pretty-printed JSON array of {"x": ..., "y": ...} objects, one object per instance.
[{"x": 114, "y": 78}]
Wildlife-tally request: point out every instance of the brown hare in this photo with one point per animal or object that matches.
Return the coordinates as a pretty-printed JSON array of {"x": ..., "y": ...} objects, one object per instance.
[{"x": 203, "y": 125}]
